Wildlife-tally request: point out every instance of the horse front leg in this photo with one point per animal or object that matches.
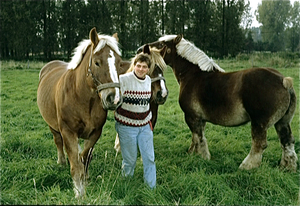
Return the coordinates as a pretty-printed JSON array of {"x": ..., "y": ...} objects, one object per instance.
[
  {"x": 117, "y": 146},
  {"x": 76, "y": 166},
  {"x": 199, "y": 142},
  {"x": 259, "y": 144},
  {"x": 86, "y": 154}
]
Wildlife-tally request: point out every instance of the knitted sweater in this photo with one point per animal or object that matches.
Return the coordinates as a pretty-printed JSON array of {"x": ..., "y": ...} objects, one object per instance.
[{"x": 136, "y": 93}]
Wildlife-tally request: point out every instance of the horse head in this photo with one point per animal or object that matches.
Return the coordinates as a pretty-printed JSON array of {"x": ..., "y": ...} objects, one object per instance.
[
  {"x": 166, "y": 46},
  {"x": 158, "y": 86},
  {"x": 104, "y": 67}
]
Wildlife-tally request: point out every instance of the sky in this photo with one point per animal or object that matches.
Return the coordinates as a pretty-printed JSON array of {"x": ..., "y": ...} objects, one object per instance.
[{"x": 254, "y": 5}]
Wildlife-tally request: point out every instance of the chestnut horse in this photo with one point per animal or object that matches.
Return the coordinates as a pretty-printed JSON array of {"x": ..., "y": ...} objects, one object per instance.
[
  {"x": 262, "y": 96},
  {"x": 74, "y": 97},
  {"x": 158, "y": 87}
]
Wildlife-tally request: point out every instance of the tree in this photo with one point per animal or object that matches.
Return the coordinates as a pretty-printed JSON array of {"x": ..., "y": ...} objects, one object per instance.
[
  {"x": 293, "y": 31},
  {"x": 175, "y": 16},
  {"x": 200, "y": 23},
  {"x": 70, "y": 27},
  {"x": 274, "y": 17}
]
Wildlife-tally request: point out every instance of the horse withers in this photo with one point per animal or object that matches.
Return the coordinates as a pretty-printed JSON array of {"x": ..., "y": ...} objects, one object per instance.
[
  {"x": 159, "y": 91},
  {"x": 207, "y": 93},
  {"x": 73, "y": 98}
]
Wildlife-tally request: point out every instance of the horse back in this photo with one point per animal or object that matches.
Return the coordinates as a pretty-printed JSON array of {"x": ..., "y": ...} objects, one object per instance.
[
  {"x": 50, "y": 66},
  {"x": 234, "y": 98}
]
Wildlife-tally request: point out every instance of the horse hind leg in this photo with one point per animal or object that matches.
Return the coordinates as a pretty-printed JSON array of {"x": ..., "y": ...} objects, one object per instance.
[
  {"x": 289, "y": 158},
  {"x": 259, "y": 144},
  {"x": 61, "y": 159}
]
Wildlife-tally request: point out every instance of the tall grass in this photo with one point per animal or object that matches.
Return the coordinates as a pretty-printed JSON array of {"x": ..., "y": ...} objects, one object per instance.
[{"x": 30, "y": 174}]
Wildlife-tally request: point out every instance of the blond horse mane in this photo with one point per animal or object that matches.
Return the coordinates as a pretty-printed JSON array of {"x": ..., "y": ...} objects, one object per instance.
[
  {"x": 193, "y": 54},
  {"x": 156, "y": 58},
  {"x": 80, "y": 50}
]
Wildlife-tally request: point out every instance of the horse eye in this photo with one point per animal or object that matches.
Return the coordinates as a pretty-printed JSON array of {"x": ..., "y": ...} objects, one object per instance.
[{"x": 97, "y": 64}]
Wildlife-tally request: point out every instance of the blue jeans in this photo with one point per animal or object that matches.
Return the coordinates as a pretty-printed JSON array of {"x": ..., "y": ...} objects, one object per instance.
[{"x": 130, "y": 139}]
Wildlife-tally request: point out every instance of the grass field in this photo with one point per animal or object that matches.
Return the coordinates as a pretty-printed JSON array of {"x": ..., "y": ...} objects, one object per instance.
[{"x": 30, "y": 174}]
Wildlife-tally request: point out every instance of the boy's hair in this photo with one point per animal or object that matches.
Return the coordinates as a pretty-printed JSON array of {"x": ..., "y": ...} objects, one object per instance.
[{"x": 142, "y": 57}]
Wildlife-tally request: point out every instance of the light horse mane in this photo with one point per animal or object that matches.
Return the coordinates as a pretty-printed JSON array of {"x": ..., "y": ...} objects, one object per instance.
[
  {"x": 155, "y": 57},
  {"x": 84, "y": 44},
  {"x": 193, "y": 54}
]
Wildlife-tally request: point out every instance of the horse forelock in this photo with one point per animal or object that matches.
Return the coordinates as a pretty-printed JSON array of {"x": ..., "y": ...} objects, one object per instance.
[
  {"x": 110, "y": 41},
  {"x": 167, "y": 37},
  {"x": 80, "y": 50},
  {"x": 193, "y": 54}
]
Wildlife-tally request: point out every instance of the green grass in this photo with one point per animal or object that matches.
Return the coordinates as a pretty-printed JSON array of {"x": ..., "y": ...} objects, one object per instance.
[{"x": 30, "y": 174}]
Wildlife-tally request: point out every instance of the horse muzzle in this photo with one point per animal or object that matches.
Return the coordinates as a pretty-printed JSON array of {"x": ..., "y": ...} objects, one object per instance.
[
  {"x": 111, "y": 98},
  {"x": 160, "y": 98}
]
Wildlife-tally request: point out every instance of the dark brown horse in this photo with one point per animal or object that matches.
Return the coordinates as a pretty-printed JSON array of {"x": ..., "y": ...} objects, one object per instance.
[
  {"x": 74, "y": 97},
  {"x": 262, "y": 96},
  {"x": 159, "y": 91}
]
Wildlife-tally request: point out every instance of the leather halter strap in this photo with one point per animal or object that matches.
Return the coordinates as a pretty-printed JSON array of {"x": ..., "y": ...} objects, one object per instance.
[
  {"x": 157, "y": 79},
  {"x": 100, "y": 86}
]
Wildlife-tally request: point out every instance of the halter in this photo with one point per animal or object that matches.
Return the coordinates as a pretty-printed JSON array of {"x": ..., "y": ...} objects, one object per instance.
[
  {"x": 157, "y": 79},
  {"x": 100, "y": 86}
]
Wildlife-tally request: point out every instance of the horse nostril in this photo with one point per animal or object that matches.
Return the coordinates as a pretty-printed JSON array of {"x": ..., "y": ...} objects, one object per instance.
[
  {"x": 159, "y": 94},
  {"x": 110, "y": 98}
]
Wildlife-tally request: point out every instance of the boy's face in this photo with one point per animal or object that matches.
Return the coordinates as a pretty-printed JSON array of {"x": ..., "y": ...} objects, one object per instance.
[{"x": 141, "y": 69}]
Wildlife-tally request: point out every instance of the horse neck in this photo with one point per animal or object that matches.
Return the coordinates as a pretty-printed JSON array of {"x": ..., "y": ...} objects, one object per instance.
[
  {"x": 182, "y": 68},
  {"x": 81, "y": 70}
]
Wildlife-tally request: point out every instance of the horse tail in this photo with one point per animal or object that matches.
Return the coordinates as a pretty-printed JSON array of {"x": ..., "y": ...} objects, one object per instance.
[{"x": 288, "y": 82}]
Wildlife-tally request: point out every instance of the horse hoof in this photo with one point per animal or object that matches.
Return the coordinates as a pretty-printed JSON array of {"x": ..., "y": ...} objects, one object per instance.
[
  {"x": 62, "y": 162},
  {"x": 290, "y": 166},
  {"x": 206, "y": 156}
]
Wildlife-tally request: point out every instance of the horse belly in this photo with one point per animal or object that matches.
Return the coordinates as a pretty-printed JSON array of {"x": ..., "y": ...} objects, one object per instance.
[{"x": 231, "y": 116}]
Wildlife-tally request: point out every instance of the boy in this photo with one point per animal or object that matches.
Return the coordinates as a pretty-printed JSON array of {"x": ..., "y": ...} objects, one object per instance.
[{"x": 133, "y": 119}]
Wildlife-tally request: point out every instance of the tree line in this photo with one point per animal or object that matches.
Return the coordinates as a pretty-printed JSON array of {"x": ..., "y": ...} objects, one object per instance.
[{"x": 50, "y": 29}]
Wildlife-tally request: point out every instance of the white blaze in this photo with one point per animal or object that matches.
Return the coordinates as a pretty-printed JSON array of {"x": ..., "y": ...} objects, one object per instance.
[
  {"x": 113, "y": 74},
  {"x": 164, "y": 92}
]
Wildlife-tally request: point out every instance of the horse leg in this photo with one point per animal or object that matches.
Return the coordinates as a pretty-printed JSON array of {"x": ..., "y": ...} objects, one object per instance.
[
  {"x": 86, "y": 154},
  {"x": 117, "y": 146},
  {"x": 61, "y": 159},
  {"x": 289, "y": 158},
  {"x": 199, "y": 142},
  {"x": 76, "y": 166},
  {"x": 259, "y": 144}
]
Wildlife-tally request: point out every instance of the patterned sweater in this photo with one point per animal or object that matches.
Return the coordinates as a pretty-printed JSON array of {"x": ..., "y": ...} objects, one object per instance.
[{"x": 136, "y": 93}]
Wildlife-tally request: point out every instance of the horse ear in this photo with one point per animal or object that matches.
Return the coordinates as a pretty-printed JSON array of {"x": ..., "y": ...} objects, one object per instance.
[
  {"x": 178, "y": 38},
  {"x": 146, "y": 49},
  {"x": 115, "y": 35},
  {"x": 94, "y": 36}
]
